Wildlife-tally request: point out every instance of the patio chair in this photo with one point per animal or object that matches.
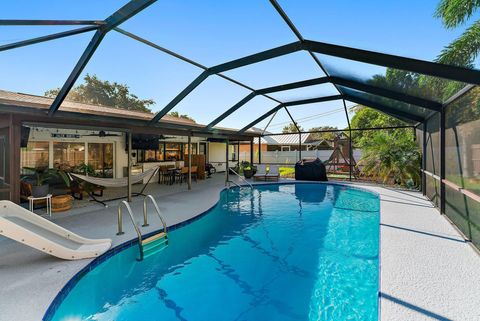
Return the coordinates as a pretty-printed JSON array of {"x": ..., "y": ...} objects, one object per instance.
[
  {"x": 26, "y": 192},
  {"x": 194, "y": 173},
  {"x": 261, "y": 172},
  {"x": 273, "y": 172},
  {"x": 163, "y": 174},
  {"x": 181, "y": 175}
]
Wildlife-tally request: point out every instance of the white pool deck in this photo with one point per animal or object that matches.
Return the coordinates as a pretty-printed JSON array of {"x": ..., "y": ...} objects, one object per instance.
[{"x": 428, "y": 271}]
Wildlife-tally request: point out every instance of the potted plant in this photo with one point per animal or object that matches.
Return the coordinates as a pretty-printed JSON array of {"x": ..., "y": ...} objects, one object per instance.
[
  {"x": 84, "y": 169},
  {"x": 41, "y": 175},
  {"x": 247, "y": 169}
]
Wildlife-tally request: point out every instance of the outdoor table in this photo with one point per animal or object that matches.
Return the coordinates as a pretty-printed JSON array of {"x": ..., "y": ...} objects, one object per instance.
[{"x": 48, "y": 199}]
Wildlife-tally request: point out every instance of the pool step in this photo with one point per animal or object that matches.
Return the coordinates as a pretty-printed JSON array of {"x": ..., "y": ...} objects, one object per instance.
[
  {"x": 154, "y": 250},
  {"x": 154, "y": 238},
  {"x": 153, "y": 245}
]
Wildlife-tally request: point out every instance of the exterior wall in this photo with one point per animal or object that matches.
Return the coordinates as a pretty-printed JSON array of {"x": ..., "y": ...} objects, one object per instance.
[
  {"x": 120, "y": 160},
  {"x": 42, "y": 134},
  {"x": 244, "y": 153},
  {"x": 216, "y": 155},
  {"x": 245, "y": 148}
]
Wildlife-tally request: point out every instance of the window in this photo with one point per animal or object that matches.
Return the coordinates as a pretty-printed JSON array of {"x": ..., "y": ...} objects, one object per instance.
[
  {"x": 150, "y": 155},
  {"x": 173, "y": 151},
  {"x": 285, "y": 148},
  {"x": 194, "y": 149},
  {"x": 203, "y": 149},
  {"x": 68, "y": 155},
  {"x": 100, "y": 157},
  {"x": 271, "y": 148},
  {"x": 161, "y": 152},
  {"x": 139, "y": 154},
  {"x": 35, "y": 155}
]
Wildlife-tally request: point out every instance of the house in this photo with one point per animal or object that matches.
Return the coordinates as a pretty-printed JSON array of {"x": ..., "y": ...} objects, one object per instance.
[{"x": 96, "y": 136}]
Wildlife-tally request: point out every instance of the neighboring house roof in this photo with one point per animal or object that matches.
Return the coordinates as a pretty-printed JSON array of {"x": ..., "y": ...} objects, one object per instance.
[
  {"x": 287, "y": 139},
  {"x": 41, "y": 102},
  {"x": 322, "y": 142},
  {"x": 291, "y": 139},
  {"x": 258, "y": 131}
]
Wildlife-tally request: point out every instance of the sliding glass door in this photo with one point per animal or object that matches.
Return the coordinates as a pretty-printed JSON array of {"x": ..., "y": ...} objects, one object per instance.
[{"x": 100, "y": 157}]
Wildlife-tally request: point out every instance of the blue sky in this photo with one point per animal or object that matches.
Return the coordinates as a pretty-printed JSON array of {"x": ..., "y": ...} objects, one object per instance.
[{"x": 212, "y": 32}]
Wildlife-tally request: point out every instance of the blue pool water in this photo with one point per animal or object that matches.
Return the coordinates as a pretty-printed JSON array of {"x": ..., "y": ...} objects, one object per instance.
[{"x": 278, "y": 252}]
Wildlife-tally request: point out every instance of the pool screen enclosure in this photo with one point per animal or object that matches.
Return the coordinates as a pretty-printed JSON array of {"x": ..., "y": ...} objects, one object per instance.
[{"x": 446, "y": 118}]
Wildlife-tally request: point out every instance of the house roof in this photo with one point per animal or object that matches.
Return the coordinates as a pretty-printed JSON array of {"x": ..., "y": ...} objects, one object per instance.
[{"x": 42, "y": 102}]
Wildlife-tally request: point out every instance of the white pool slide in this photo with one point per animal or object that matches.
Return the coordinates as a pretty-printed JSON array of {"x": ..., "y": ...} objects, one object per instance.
[{"x": 21, "y": 225}]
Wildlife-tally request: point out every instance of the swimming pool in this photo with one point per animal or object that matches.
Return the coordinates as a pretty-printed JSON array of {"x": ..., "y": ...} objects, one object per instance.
[{"x": 277, "y": 252}]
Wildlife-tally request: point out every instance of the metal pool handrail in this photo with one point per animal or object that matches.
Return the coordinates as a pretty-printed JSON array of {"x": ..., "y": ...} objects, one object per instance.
[
  {"x": 232, "y": 182},
  {"x": 145, "y": 218},
  {"x": 243, "y": 179},
  {"x": 120, "y": 220}
]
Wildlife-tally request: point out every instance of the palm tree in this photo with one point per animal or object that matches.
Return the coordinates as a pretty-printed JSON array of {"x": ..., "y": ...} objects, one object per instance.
[
  {"x": 463, "y": 50},
  {"x": 391, "y": 159}
]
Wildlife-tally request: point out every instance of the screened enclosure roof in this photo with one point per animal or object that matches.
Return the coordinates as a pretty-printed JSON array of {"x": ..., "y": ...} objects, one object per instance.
[{"x": 288, "y": 70}]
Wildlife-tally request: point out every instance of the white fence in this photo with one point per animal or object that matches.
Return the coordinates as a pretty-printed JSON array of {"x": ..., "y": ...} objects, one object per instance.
[{"x": 286, "y": 157}]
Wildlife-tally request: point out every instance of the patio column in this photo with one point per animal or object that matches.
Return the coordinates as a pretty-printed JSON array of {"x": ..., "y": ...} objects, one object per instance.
[
  {"x": 350, "y": 151},
  {"x": 259, "y": 149},
  {"x": 189, "y": 162},
  {"x": 299, "y": 147},
  {"x": 227, "y": 172},
  {"x": 251, "y": 151},
  {"x": 350, "y": 148},
  {"x": 238, "y": 152},
  {"x": 129, "y": 165}
]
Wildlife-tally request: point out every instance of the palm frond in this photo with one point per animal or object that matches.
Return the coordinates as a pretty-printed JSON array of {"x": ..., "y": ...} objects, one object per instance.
[
  {"x": 464, "y": 50},
  {"x": 456, "y": 12}
]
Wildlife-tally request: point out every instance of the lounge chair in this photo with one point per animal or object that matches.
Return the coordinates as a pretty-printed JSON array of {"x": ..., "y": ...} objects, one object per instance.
[
  {"x": 273, "y": 172},
  {"x": 261, "y": 172}
]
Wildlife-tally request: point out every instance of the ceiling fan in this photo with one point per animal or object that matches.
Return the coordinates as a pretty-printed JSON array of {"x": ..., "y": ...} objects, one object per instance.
[{"x": 102, "y": 133}]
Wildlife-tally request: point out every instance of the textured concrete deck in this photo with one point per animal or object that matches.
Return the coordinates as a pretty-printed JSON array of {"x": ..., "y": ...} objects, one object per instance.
[{"x": 428, "y": 272}]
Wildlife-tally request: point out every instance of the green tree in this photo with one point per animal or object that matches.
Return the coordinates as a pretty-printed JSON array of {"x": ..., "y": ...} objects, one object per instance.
[
  {"x": 463, "y": 50},
  {"x": 176, "y": 114},
  {"x": 290, "y": 128},
  {"x": 434, "y": 88},
  {"x": 105, "y": 93},
  {"x": 391, "y": 159},
  {"x": 366, "y": 117},
  {"x": 326, "y": 136}
]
